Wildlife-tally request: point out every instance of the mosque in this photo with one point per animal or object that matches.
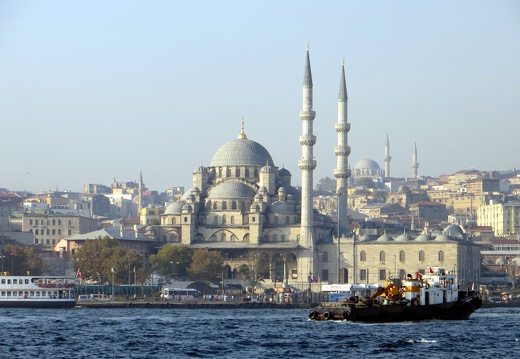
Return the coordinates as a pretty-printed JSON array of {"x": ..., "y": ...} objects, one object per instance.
[{"x": 246, "y": 207}]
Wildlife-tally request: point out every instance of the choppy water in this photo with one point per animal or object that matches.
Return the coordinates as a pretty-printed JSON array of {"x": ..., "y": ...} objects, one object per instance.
[{"x": 247, "y": 333}]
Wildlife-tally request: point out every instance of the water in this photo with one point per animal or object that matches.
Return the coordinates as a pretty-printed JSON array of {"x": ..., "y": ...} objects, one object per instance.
[{"x": 247, "y": 333}]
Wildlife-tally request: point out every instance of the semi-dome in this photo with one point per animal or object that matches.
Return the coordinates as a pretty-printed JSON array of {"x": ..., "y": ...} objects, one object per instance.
[
  {"x": 242, "y": 152},
  {"x": 174, "y": 208},
  {"x": 367, "y": 164},
  {"x": 281, "y": 207},
  {"x": 231, "y": 190},
  {"x": 453, "y": 231}
]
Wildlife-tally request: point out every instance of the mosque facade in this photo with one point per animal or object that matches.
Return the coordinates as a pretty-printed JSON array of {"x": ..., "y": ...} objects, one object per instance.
[{"x": 247, "y": 208}]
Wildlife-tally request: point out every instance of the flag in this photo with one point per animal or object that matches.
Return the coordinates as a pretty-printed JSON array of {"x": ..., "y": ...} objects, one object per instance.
[
  {"x": 309, "y": 279},
  {"x": 79, "y": 274},
  {"x": 431, "y": 270},
  {"x": 314, "y": 280}
]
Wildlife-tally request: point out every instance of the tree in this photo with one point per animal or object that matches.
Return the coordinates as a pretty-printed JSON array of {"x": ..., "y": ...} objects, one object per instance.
[
  {"x": 20, "y": 260},
  {"x": 380, "y": 197},
  {"x": 326, "y": 184},
  {"x": 366, "y": 182},
  {"x": 172, "y": 261},
  {"x": 206, "y": 265},
  {"x": 98, "y": 257}
]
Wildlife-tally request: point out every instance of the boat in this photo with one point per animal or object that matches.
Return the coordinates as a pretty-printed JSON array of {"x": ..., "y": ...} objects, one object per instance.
[
  {"x": 427, "y": 296},
  {"x": 37, "y": 291}
]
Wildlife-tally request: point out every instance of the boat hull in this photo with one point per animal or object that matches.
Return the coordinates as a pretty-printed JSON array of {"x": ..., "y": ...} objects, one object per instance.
[
  {"x": 27, "y": 303},
  {"x": 367, "y": 312}
]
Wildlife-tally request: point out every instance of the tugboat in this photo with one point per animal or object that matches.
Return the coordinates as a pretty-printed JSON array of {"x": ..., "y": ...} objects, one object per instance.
[{"x": 432, "y": 296}]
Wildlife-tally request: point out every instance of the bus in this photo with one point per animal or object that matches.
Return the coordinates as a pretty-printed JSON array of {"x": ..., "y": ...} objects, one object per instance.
[{"x": 181, "y": 294}]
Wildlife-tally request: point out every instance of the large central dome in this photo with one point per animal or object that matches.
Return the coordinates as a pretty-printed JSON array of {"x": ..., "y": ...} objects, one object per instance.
[{"x": 241, "y": 152}]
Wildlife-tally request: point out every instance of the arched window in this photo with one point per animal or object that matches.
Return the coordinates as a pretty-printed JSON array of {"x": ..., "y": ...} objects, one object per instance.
[
  {"x": 215, "y": 205},
  {"x": 224, "y": 219},
  {"x": 215, "y": 220},
  {"x": 224, "y": 205},
  {"x": 287, "y": 220},
  {"x": 382, "y": 256},
  {"x": 275, "y": 219},
  {"x": 246, "y": 174},
  {"x": 362, "y": 256},
  {"x": 237, "y": 172},
  {"x": 243, "y": 205},
  {"x": 441, "y": 256},
  {"x": 275, "y": 238},
  {"x": 401, "y": 256},
  {"x": 234, "y": 205},
  {"x": 232, "y": 220},
  {"x": 223, "y": 237},
  {"x": 324, "y": 257},
  {"x": 228, "y": 172},
  {"x": 421, "y": 256}
]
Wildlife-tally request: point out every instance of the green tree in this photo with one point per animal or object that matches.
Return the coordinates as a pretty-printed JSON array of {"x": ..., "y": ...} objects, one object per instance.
[
  {"x": 206, "y": 265},
  {"x": 326, "y": 184},
  {"x": 380, "y": 196},
  {"x": 98, "y": 257},
  {"x": 20, "y": 260},
  {"x": 366, "y": 182},
  {"x": 172, "y": 261}
]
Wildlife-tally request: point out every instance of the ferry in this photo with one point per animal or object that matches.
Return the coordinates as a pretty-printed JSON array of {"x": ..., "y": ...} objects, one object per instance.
[
  {"x": 37, "y": 291},
  {"x": 427, "y": 296}
]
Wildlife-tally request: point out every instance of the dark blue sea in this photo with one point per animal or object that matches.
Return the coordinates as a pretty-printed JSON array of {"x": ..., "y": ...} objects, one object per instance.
[{"x": 248, "y": 333}]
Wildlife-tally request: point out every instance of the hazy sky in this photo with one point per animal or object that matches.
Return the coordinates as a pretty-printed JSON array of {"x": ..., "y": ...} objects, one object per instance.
[{"x": 92, "y": 90}]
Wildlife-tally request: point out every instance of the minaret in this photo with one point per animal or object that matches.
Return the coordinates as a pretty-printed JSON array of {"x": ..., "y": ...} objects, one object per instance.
[
  {"x": 387, "y": 157},
  {"x": 415, "y": 164},
  {"x": 140, "y": 198},
  {"x": 342, "y": 151},
  {"x": 307, "y": 163}
]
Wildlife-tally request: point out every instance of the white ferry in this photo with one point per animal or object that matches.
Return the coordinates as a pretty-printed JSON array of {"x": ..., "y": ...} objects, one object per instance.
[{"x": 37, "y": 291}]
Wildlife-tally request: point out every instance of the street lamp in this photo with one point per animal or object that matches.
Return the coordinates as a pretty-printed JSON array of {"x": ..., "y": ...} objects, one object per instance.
[
  {"x": 135, "y": 281},
  {"x": 113, "y": 283}
]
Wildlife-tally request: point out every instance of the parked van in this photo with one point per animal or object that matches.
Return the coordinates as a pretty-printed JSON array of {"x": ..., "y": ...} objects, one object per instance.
[{"x": 84, "y": 297}]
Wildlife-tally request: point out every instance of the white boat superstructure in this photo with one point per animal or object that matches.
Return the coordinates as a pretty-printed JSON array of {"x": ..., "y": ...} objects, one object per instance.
[{"x": 37, "y": 291}]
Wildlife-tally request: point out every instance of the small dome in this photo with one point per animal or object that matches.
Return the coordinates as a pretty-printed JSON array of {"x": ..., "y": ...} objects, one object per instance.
[
  {"x": 231, "y": 190},
  {"x": 187, "y": 207},
  {"x": 367, "y": 164},
  {"x": 284, "y": 173},
  {"x": 385, "y": 238},
  {"x": 281, "y": 207},
  {"x": 241, "y": 152},
  {"x": 442, "y": 238},
  {"x": 423, "y": 238},
  {"x": 453, "y": 231},
  {"x": 187, "y": 194},
  {"x": 200, "y": 169},
  {"x": 403, "y": 238},
  {"x": 255, "y": 207},
  {"x": 174, "y": 208}
]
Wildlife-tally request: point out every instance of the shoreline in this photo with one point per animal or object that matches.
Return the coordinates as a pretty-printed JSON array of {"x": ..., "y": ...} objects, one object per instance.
[{"x": 194, "y": 305}]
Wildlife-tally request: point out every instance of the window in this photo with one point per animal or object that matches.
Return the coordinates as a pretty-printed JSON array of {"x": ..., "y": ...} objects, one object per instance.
[
  {"x": 363, "y": 275},
  {"x": 441, "y": 256},
  {"x": 287, "y": 220},
  {"x": 382, "y": 274},
  {"x": 30, "y": 222},
  {"x": 69, "y": 232},
  {"x": 276, "y": 220},
  {"x": 223, "y": 237},
  {"x": 59, "y": 231},
  {"x": 59, "y": 222},
  {"x": 324, "y": 257},
  {"x": 325, "y": 275},
  {"x": 275, "y": 238},
  {"x": 382, "y": 256},
  {"x": 36, "y": 231},
  {"x": 362, "y": 256},
  {"x": 421, "y": 256},
  {"x": 401, "y": 256},
  {"x": 224, "y": 219},
  {"x": 402, "y": 273},
  {"x": 232, "y": 220},
  {"x": 53, "y": 222}
]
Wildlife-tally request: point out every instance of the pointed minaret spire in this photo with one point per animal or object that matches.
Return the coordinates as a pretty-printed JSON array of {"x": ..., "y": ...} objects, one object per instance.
[
  {"x": 342, "y": 151},
  {"x": 415, "y": 164},
  {"x": 307, "y": 164},
  {"x": 140, "y": 198},
  {"x": 242, "y": 132},
  {"x": 387, "y": 157}
]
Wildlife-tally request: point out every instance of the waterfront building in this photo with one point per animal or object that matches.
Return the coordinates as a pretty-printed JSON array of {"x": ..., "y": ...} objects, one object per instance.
[{"x": 503, "y": 217}]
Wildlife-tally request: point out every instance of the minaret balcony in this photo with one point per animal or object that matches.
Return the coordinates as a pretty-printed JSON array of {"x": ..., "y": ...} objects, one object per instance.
[
  {"x": 307, "y": 115},
  {"x": 342, "y": 127},
  {"x": 307, "y": 140},
  {"x": 342, "y": 150},
  {"x": 339, "y": 173},
  {"x": 307, "y": 164}
]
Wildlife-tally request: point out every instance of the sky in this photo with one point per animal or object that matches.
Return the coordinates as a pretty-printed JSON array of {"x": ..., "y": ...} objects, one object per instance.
[{"x": 96, "y": 90}]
